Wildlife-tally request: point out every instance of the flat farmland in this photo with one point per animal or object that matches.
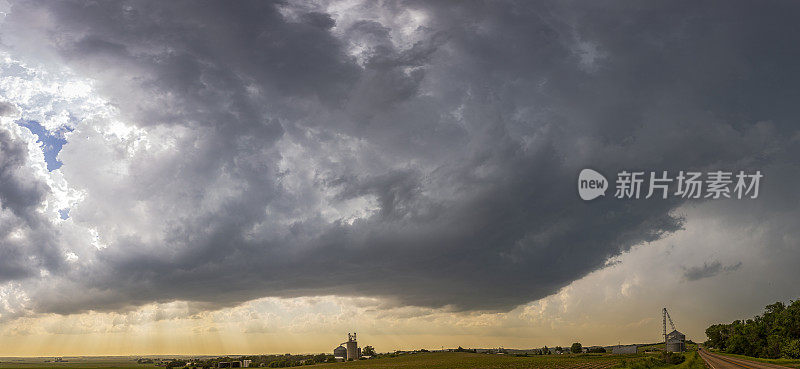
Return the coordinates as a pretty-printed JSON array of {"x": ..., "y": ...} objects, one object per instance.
[
  {"x": 433, "y": 360},
  {"x": 448, "y": 360},
  {"x": 82, "y": 362}
]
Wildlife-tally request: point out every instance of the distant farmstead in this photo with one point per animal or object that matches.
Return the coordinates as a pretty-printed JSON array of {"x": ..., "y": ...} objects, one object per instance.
[
  {"x": 234, "y": 364},
  {"x": 348, "y": 350}
]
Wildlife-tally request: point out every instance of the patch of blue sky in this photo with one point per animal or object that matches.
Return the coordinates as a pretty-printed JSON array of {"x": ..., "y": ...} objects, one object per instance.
[{"x": 51, "y": 142}]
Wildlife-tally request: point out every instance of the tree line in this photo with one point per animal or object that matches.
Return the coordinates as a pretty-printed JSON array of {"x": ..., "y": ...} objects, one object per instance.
[{"x": 774, "y": 334}]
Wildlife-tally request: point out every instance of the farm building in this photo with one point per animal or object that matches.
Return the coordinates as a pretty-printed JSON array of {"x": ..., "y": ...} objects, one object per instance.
[
  {"x": 676, "y": 341},
  {"x": 353, "y": 351},
  {"x": 340, "y": 353},
  {"x": 234, "y": 364},
  {"x": 348, "y": 350}
]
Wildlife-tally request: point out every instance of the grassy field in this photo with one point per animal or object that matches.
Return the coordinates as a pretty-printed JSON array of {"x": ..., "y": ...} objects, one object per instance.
[
  {"x": 693, "y": 361},
  {"x": 73, "y": 363},
  {"x": 452, "y": 360},
  {"x": 433, "y": 360}
]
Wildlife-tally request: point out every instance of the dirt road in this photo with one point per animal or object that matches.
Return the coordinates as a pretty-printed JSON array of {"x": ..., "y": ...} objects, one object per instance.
[{"x": 716, "y": 361}]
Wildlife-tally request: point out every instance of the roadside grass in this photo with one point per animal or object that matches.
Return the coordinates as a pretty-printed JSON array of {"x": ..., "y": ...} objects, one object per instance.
[
  {"x": 792, "y": 363},
  {"x": 693, "y": 361}
]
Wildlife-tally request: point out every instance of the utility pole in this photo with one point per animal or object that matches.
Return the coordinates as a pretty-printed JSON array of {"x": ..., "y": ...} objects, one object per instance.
[{"x": 664, "y": 321}]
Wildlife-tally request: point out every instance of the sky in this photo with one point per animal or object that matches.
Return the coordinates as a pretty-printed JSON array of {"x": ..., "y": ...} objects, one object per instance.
[{"x": 264, "y": 177}]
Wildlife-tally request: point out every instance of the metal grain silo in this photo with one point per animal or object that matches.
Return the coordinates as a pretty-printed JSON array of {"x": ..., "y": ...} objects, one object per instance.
[
  {"x": 676, "y": 342},
  {"x": 352, "y": 347}
]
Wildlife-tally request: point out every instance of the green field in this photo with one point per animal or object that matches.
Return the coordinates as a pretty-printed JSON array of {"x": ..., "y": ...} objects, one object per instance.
[
  {"x": 434, "y": 360},
  {"x": 73, "y": 362},
  {"x": 448, "y": 360},
  {"x": 693, "y": 361},
  {"x": 650, "y": 361}
]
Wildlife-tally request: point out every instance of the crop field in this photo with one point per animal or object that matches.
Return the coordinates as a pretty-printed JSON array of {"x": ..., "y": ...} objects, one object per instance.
[
  {"x": 453, "y": 360},
  {"x": 434, "y": 360},
  {"x": 84, "y": 362}
]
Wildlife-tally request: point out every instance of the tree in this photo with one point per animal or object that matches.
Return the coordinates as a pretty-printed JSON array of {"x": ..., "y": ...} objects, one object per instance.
[
  {"x": 576, "y": 348},
  {"x": 176, "y": 364},
  {"x": 792, "y": 349},
  {"x": 772, "y": 335},
  {"x": 369, "y": 351}
]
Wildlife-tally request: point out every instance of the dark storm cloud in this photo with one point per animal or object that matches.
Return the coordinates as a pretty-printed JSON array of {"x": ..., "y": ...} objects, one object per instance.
[
  {"x": 26, "y": 238},
  {"x": 16, "y": 198},
  {"x": 469, "y": 141},
  {"x": 7, "y": 109},
  {"x": 708, "y": 270}
]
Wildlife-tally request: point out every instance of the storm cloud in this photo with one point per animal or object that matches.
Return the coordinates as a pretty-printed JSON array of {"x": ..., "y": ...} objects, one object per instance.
[
  {"x": 708, "y": 270},
  {"x": 425, "y": 153},
  {"x": 28, "y": 240},
  {"x": 7, "y": 109}
]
